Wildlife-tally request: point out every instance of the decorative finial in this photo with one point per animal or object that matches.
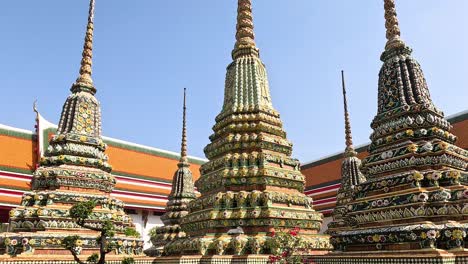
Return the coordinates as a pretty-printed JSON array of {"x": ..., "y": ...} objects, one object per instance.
[
  {"x": 85, "y": 80},
  {"x": 391, "y": 24},
  {"x": 35, "y": 109},
  {"x": 245, "y": 36},
  {"x": 183, "y": 146},
  {"x": 349, "y": 151}
]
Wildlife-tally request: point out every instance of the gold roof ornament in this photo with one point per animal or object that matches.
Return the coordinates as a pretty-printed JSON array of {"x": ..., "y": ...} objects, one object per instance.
[{"x": 35, "y": 109}]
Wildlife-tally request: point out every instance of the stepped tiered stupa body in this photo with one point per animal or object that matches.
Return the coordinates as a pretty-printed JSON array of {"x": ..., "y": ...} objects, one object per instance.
[
  {"x": 74, "y": 169},
  {"x": 351, "y": 176},
  {"x": 182, "y": 193},
  {"x": 250, "y": 185},
  {"x": 414, "y": 201}
]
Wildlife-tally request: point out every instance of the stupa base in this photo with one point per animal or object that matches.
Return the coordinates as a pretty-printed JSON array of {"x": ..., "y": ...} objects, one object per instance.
[
  {"x": 51, "y": 243},
  {"x": 67, "y": 259},
  {"x": 239, "y": 244}
]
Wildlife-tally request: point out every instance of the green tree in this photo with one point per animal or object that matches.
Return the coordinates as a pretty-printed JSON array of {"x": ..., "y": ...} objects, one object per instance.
[{"x": 80, "y": 212}]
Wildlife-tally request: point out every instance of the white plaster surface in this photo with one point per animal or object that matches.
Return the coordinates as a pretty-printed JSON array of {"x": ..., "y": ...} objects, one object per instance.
[{"x": 153, "y": 220}]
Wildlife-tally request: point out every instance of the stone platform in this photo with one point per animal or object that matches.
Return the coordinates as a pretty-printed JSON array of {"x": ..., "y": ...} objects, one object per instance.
[
  {"x": 395, "y": 257},
  {"x": 217, "y": 259}
]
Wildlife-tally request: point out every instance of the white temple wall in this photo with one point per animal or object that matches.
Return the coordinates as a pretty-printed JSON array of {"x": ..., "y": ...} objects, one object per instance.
[{"x": 152, "y": 220}]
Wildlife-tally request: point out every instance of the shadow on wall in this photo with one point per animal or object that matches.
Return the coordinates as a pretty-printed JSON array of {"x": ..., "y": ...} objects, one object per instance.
[{"x": 324, "y": 226}]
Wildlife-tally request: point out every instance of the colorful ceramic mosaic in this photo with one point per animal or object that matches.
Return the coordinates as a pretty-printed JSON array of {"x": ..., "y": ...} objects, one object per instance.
[
  {"x": 415, "y": 197},
  {"x": 250, "y": 185},
  {"x": 74, "y": 169},
  {"x": 182, "y": 193}
]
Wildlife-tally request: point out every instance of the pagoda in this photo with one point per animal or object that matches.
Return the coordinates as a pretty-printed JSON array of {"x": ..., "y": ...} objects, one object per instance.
[
  {"x": 74, "y": 169},
  {"x": 182, "y": 193},
  {"x": 251, "y": 185},
  {"x": 351, "y": 176},
  {"x": 414, "y": 202}
]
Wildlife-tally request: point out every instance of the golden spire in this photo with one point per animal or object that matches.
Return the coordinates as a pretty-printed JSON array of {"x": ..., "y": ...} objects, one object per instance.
[
  {"x": 87, "y": 56},
  {"x": 245, "y": 36},
  {"x": 349, "y": 151},
  {"x": 183, "y": 145},
  {"x": 391, "y": 24}
]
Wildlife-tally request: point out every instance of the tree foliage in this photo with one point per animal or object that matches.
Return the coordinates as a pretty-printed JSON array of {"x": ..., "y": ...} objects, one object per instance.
[
  {"x": 131, "y": 232},
  {"x": 80, "y": 212}
]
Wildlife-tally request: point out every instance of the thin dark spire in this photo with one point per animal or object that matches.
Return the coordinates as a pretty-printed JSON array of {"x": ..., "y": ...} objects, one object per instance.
[
  {"x": 349, "y": 151},
  {"x": 183, "y": 146}
]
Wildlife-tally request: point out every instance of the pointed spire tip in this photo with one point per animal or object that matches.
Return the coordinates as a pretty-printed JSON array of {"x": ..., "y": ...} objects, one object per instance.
[
  {"x": 84, "y": 79},
  {"x": 183, "y": 147},
  {"x": 245, "y": 36},
  {"x": 349, "y": 151},
  {"x": 392, "y": 26}
]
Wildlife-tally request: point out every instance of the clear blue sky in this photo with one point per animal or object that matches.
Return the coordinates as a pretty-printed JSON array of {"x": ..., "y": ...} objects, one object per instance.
[{"x": 146, "y": 51}]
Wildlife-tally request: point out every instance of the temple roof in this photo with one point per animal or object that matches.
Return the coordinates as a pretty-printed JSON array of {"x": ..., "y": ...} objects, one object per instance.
[{"x": 143, "y": 173}]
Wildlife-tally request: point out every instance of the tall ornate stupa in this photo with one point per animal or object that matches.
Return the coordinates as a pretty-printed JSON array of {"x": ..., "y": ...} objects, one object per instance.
[
  {"x": 414, "y": 202},
  {"x": 182, "y": 193},
  {"x": 351, "y": 175},
  {"x": 250, "y": 185},
  {"x": 74, "y": 169}
]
